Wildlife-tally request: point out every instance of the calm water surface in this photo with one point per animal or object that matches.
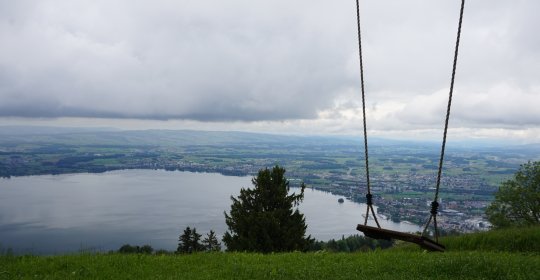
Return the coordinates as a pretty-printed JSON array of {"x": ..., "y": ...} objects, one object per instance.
[{"x": 72, "y": 212}]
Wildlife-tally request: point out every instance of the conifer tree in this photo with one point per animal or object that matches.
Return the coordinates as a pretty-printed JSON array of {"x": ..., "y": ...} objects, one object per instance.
[
  {"x": 195, "y": 244},
  {"x": 264, "y": 219},
  {"x": 185, "y": 242},
  {"x": 211, "y": 243},
  {"x": 188, "y": 242}
]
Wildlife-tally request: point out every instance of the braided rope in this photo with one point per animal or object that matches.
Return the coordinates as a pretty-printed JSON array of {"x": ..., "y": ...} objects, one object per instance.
[
  {"x": 369, "y": 196},
  {"x": 435, "y": 204}
]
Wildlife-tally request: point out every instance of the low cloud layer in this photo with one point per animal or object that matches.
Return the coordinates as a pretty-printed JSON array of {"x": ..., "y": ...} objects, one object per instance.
[
  {"x": 237, "y": 60},
  {"x": 278, "y": 60}
]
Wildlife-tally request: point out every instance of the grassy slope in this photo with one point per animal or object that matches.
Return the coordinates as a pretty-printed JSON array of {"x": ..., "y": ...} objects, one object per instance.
[
  {"x": 519, "y": 240},
  {"x": 378, "y": 265},
  {"x": 509, "y": 240},
  {"x": 485, "y": 262}
]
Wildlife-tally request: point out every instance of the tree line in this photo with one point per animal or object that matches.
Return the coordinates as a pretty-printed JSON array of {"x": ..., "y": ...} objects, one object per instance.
[
  {"x": 190, "y": 242},
  {"x": 352, "y": 243}
]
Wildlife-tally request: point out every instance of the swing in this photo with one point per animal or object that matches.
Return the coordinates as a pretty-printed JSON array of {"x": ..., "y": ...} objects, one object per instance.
[{"x": 377, "y": 232}]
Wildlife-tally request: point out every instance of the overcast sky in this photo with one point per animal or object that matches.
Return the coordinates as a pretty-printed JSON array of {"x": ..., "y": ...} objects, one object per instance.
[{"x": 277, "y": 66}]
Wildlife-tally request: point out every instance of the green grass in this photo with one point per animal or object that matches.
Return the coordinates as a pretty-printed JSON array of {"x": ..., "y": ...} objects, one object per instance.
[
  {"x": 501, "y": 254},
  {"x": 509, "y": 240},
  {"x": 516, "y": 240},
  {"x": 376, "y": 265}
]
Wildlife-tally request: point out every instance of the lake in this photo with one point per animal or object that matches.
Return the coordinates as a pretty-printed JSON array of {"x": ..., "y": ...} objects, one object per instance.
[{"x": 52, "y": 214}]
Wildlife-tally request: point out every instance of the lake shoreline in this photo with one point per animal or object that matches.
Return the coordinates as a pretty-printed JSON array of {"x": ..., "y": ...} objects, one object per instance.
[{"x": 102, "y": 211}]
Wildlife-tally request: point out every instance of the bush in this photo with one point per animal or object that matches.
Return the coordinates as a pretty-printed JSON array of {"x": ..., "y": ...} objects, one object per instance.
[
  {"x": 517, "y": 202},
  {"x": 128, "y": 249}
]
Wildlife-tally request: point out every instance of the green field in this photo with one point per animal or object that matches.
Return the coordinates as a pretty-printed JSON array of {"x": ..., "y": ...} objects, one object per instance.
[
  {"x": 511, "y": 254},
  {"x": 376, "y": 265}
]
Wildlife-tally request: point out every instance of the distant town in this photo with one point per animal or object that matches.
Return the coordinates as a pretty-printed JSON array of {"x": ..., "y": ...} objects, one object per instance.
[{"x": 402, "y": 173}]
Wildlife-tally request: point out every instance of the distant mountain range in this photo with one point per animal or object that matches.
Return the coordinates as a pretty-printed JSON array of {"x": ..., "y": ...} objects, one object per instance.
[{"x": 105, "y": 135}]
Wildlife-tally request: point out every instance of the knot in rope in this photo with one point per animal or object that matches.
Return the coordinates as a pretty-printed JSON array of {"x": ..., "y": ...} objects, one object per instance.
[
  {"x": 369, "y": 198},
  {"x": 434, "y": 208}
]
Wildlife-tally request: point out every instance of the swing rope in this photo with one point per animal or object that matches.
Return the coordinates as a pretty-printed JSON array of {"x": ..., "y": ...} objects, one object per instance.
[
  {"x": 435, "y": 203},
  {"x": 369, "y": 196}
]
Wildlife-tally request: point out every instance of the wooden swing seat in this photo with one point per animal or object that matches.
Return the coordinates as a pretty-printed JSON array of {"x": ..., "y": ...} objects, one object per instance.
[{"x": 386, "y": 234}]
